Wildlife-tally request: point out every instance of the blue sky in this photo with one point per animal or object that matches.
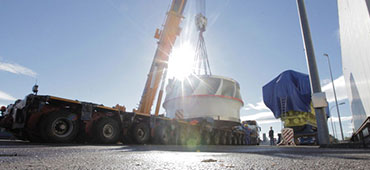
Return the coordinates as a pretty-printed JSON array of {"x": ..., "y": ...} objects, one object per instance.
[{"x": 101, "y": 51}]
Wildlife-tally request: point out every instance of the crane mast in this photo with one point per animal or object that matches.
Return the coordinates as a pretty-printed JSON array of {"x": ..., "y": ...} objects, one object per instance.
[{"x": 167, "y": 38}]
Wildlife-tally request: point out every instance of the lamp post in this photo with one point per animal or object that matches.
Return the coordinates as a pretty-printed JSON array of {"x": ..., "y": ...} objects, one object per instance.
[
  {"x": 331, "y": 120},
  {"x": 322, "y": 125},
  {"x": 335, "y": 96},
  {"x": 332, "y": 126}
]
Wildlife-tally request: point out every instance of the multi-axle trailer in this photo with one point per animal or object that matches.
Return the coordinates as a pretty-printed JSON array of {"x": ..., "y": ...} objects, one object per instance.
[
  {"x": 40, "y": 118},
  {"x": 52, "y": 119}
]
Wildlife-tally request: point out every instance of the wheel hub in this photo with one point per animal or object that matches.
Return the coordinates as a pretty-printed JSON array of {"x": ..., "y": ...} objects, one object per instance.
[
  {"x": 164, "y": 136},
  {"x": 140, "y": 133},
  {"x": 108, "y": 131},
  {"x": 61, "y": 127}
]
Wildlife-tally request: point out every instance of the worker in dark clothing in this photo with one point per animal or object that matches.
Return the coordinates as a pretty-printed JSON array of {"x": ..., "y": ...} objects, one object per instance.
[
  {"x": 2, "y": 110},
  {"x": 271, "y": 135}
]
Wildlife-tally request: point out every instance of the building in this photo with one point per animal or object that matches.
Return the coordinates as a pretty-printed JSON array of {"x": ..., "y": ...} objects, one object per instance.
[{"x": 354, "y": 27}]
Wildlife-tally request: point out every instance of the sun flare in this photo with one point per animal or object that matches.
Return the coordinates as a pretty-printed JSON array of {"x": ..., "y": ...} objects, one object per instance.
[{"x": 181, "y": 61}]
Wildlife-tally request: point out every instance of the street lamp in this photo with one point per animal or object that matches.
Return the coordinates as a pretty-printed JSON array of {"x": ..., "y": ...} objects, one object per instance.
[
  {"x": 335, "y": 96},
  {"x": 322, "y": 125},
  {"x": 331, "y": 120},
  {"x": 332, "y": 126}
]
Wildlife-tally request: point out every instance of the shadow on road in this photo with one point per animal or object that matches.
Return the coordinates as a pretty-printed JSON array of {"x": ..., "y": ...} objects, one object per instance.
[{"x": 298, "y": 152}]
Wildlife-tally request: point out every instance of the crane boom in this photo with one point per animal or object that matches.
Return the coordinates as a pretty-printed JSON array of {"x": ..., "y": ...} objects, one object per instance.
[{"x": 167, "y": 38}]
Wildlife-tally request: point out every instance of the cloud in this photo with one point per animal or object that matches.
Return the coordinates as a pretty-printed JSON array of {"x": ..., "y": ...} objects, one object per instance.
[
  {"x": 258, "y": 116},
  {"x": 262, "y": 118},
  {"x": 261, "y": 122},
  {"x": 258, "y": 106},
  {"x": 350, "y": 131},
  {"x": 325, "y": 82},
  {"x": 342, "y": 118},
  {"x": 340, "y": 89},
  {"x": 4, "y": 96},
  {"x": 17, "y": 69}
]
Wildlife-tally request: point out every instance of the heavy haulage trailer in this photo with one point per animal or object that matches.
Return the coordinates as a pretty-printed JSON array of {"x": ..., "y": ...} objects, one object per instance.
[
  {"x": 40, "y": 118},
  {"x": 44, "y": 118},
  {"x": 288, "y": 96}
]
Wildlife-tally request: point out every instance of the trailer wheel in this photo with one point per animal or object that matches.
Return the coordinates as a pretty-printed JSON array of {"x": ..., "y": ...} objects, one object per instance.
[
  {"x": 240, "y": 140},
  {"x": 243, "y": 140},
  {"x": 229, "y": 140},
  {"x": 234, "y": 140},
  {"x": 224, "y": 139},
  {"x": 216, "y": 138},
  {"x": 60, "y": 127},
  {"x": 163, "y": 135},
  {"x": 183, "y": 136},
  {"x": 206, "y": 138},
  {"x": 107, "y": 131},
  {"x": 194, "y": 137},
  {"x": 141, "y": 133}
]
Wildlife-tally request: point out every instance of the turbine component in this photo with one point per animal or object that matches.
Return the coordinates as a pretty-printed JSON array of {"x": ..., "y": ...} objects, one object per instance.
[{"x": 204, "y": 96}]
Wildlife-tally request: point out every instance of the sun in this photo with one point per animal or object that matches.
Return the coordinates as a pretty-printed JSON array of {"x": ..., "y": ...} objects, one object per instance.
[{"x": 181, "y": 61}]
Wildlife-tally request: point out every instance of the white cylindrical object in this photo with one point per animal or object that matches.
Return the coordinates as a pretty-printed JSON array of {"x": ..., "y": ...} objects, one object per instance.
[{"x": 204, "y": 96}]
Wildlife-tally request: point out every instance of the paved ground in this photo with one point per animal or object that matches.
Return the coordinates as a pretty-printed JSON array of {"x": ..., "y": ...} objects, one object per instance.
[{"x": 21, "y": 155}]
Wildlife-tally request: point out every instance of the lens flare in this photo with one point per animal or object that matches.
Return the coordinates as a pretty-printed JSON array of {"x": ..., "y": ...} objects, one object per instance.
[{"x": 181, "y": 61}]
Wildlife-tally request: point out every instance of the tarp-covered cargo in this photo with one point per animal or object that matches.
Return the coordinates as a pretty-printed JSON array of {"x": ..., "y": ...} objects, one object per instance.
[{"x": 291, "y": 89}]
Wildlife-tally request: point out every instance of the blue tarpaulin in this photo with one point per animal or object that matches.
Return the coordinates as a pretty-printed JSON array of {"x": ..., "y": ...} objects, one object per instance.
[{"x": 292, "y": 87}]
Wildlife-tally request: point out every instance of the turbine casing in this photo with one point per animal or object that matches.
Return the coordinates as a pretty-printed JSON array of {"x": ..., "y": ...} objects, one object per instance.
[{"x": 203, "y": 96}]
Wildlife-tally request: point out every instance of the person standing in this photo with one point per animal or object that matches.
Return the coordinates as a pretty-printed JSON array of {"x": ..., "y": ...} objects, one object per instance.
[
  {"x": 271, "y": 135},
  {"x": 2, "y": 110}
]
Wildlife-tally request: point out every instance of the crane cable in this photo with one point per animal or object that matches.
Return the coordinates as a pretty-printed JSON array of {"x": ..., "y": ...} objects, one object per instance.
[{"x": 201, "y": 56}]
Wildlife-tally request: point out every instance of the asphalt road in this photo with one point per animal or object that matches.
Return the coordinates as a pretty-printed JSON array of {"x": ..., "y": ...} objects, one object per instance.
[{"x": 23, "y": 155}]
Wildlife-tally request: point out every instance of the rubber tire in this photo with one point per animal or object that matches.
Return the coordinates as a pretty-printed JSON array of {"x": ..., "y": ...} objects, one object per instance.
[
  {"x": 243, "y": 140},
  {"x": 194, "y": 137},
  {"x": 216, "y": 138},
  {"x": 48, "y": 122},
  {"x": 183, "y": 137},
  {"x": 235, "y": 140},
  {"x": 229, "y": 140},
  {"x": 163, "y": 135},
  {"x": 141, "y": 133},
  {"x": 224, "y": 139},
  {"x": 206, "y": 138},
  {"x": 240, "y": 140},
  {"x": 99, "y": 131}
]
